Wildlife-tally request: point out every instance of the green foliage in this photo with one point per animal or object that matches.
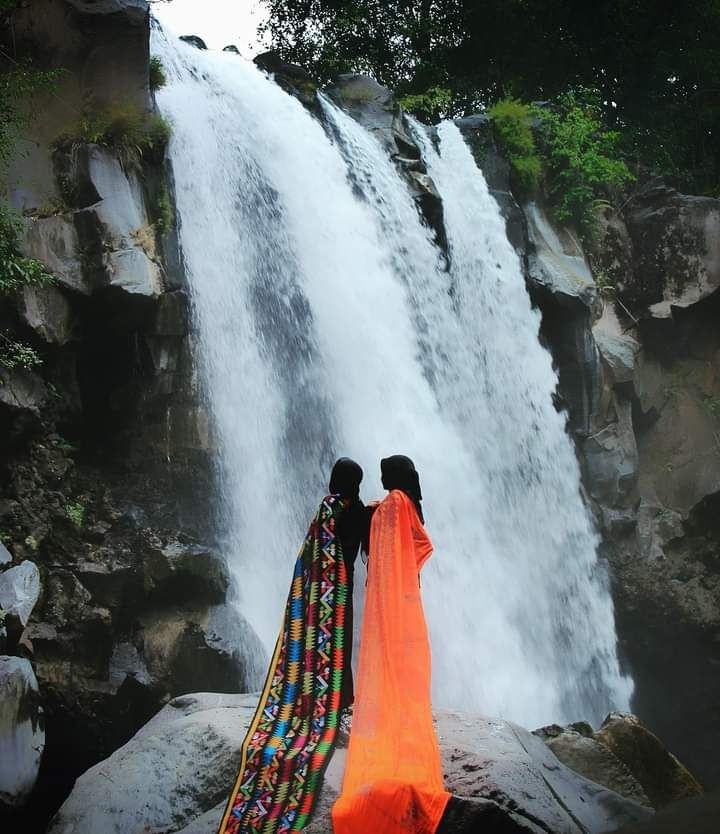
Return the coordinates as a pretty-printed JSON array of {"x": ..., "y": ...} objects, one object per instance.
[
  {"x": 582, "y": 158},
  {"x": 17, "y": 85},
  {"x": 712, "y": 404},
  {"x": 75, "y": 511},
  {"x": 157, "y": 77},
  {"x": 512, "y": 121},
  {"x": 604, "y": 282},
  {"x": 16, "y": 354},
  {"x": 123, "y": 127},
  {"x": 658, "y": 69},
  {"x": 162, "y": 210},
  {"x": 64, "y": 445},
  {"x": 433, "y": 104},
  {"x": 16, "y": 271}
]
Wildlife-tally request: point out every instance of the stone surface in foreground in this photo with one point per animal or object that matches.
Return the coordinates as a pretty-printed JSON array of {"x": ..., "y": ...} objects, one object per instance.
[
  {"x": 22, "y": 733},
  {"x": 175, "y": 774}
]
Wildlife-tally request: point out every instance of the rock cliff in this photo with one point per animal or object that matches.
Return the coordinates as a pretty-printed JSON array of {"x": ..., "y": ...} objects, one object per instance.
[
  {"x": 632, "y": 323},
  {"x": 105, "y": 472},
  {"x": 106, "y": 449}
]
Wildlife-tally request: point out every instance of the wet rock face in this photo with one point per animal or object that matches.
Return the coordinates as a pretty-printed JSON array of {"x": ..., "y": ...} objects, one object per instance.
[
  {"x": 177, "y": 771},
  {"x": 19, "y": 592},
  {"x": 22, "y": 732},
  {"x": 662, "y": 776},
  {"x": 129, "y": 614},
  {"x": 585, "y": 755},
  {"x": 105, "y": 476},
  {"x": 134, "y": 11},
  {"x": 676, "y": 249},
  {"x": 377, "y": 110},
  {"x": 624, "y": 756}
]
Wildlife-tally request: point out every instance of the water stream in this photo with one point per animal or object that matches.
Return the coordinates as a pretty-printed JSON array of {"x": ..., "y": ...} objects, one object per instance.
[{"x": 328, "y": 324}]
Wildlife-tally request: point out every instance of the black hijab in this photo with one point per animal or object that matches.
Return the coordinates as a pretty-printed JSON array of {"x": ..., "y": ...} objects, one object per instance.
[
  {"x": 398, "y": 472},
  {"x": 345, "y": 479}
]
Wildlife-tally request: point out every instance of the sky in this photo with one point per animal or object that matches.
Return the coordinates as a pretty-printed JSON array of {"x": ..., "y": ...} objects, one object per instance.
[{"x": 217, "y": 22}]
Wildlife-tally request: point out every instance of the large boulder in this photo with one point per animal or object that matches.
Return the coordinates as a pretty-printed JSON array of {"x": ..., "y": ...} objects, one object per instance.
[
  {"x": 114, "y": 192},
  {"x": 577, "y": 747},
  {"x": 175, "y": 774},
  {"x": 676, "y": 249},
  {"x": 21, "y": 390},
  {"x": 556, "y": 261},
  {"x": 662, "y": 776},
  {"x": 48, "y": 312},
  {"x": 54, "y": 242},
  {"x": 175, "y": 768},
  {"x": 112, "y": 222},
  {"x": 22, "y": 733},
  {"x": 135, "y": 11},
  {"x": 19, "y": 590}
]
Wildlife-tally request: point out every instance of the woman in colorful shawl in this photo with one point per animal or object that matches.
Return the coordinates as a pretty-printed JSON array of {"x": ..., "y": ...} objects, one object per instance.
[
  {"x": 393, "y": 778},
  {"x": 293, "y": 732}
]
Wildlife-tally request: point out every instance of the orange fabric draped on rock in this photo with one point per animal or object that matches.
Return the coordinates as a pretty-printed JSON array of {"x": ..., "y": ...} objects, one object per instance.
[{"x": 393, "y": 778}]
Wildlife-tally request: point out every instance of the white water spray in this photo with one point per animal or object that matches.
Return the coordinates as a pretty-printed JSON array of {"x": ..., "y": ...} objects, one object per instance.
[{"x": 328, "y": 325}]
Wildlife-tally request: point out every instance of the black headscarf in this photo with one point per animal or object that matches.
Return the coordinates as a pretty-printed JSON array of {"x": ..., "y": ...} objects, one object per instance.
[
  {"x": 345, "y": 479},
  {"x": 398, "y": 472}
]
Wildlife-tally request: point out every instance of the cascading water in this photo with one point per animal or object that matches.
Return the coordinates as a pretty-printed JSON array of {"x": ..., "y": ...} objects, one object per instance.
[{"x": 328, "y": 325}]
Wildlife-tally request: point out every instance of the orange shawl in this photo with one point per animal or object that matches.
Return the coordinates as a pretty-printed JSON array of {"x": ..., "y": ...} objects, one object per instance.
[{"x": 393, "y": 779}]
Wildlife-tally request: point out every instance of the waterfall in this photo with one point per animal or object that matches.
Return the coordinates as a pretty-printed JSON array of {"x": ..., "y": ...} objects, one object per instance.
[{"x": 329, "y": 324}]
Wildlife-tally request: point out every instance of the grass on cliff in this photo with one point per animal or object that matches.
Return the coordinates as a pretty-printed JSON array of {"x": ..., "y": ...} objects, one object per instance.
[
  {"x": 156, "y": 74},
  {"x": 122, "y": 127},
  {"x": 513, "y": 124}
]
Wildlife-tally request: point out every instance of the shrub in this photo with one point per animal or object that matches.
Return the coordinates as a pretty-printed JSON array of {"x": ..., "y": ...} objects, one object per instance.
[
  {"x": 432, "y": 105},
  {"x": 156, "y": 74},
  {"x": 17, "y": 86},
  {"x": 162, "y": 209},
  {"x": 512, "y": 121},
  {"x": 14, "y": 354},
  {"x": 582, "y": 158},
  {"x": 16, "y": 270},
  {"x": 123, "y": 127},
  {"x": 75, "y": 511}
]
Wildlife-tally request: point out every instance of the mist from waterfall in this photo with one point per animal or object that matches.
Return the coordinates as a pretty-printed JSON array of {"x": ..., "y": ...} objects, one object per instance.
[{"x": 329, "y": 324}]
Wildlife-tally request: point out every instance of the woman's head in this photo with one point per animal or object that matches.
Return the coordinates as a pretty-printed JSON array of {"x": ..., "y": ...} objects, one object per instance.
[
  {"x": 398, "y": 472},
  {"x": 345, "y": 479}
]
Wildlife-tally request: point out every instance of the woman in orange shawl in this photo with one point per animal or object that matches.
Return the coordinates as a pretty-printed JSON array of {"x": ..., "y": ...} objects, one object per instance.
[{"x": 393, "y": 779}]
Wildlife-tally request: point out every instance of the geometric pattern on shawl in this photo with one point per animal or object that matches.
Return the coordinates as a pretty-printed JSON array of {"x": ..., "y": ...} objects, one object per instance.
[{"x": 293, "y": 732}]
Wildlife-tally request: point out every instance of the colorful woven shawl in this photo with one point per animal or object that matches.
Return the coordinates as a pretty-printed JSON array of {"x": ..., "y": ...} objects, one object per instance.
[{"x": 292, "y": 734}]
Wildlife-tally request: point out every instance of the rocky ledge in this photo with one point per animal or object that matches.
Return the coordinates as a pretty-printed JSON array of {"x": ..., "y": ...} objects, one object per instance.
[{"x": 175, "y": 774}]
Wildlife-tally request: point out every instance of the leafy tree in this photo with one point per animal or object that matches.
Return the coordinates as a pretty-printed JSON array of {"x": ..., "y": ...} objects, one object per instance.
[
  {"x": 512, "y": 121},
  {"x": 655, "y": 62},
  {"x": 582, "y": 158}
]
